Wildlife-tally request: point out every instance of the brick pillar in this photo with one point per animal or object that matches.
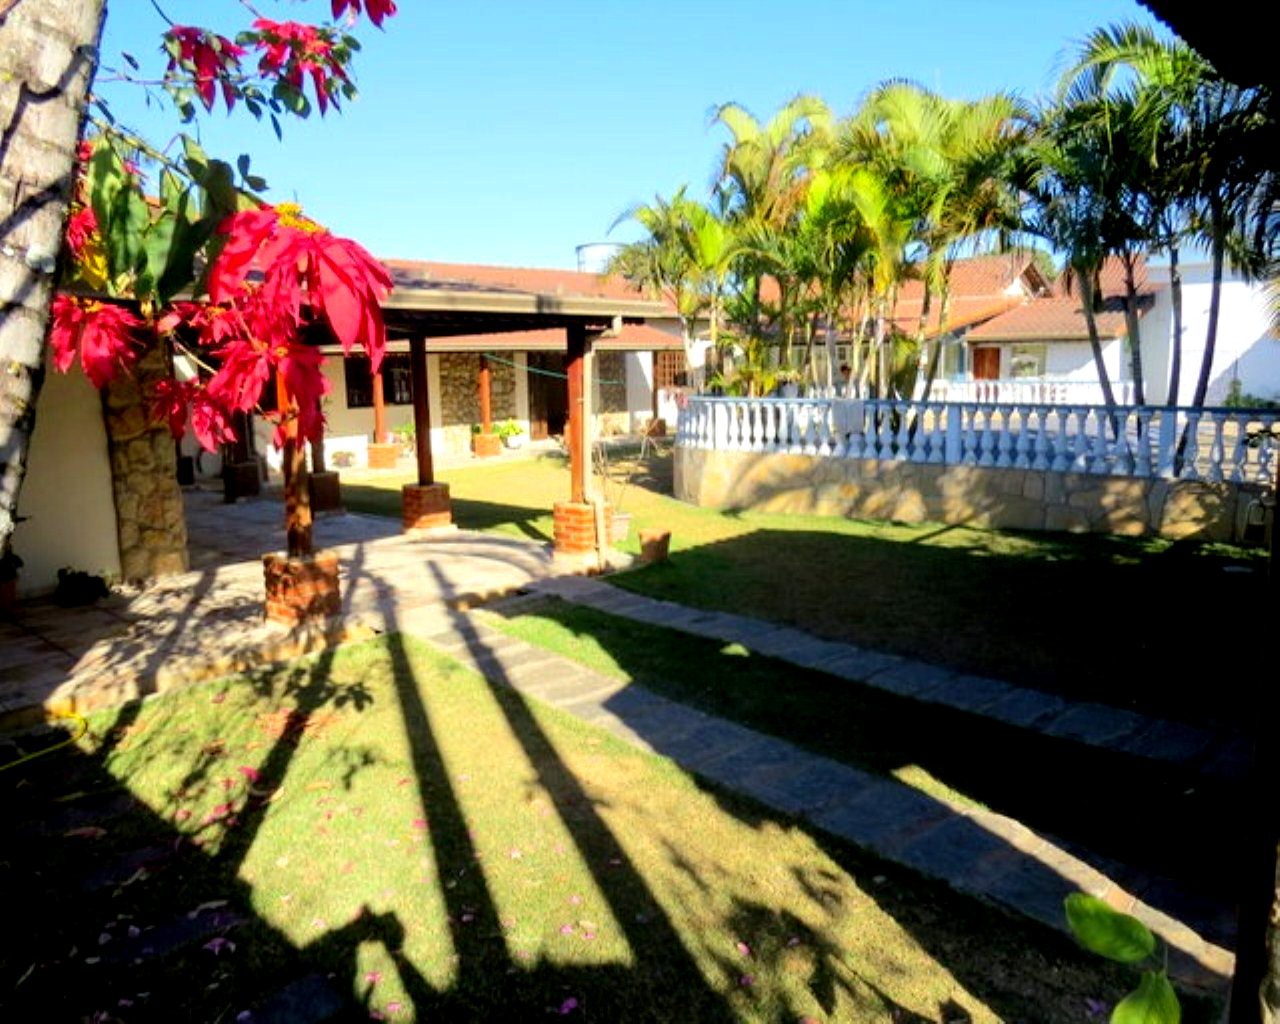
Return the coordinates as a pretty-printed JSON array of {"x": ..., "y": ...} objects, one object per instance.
[
  {"x": 383, "y": 456},
  {"x": 302, "y": 589},
  {"x": 486, "y": 445},
  {"x": 426, "y": 506},
  {"x": 575, "y": 527}
]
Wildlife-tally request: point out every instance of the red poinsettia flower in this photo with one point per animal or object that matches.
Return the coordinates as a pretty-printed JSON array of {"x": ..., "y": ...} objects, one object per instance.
[
  {"x": 212, "y": 60},
  {"x": 303, "y": 264},
  {"x": 82, "y": 225},
  {"x": 291, "y": 51},
  {"x": 174, "y": 401},
  {"x": 378, "y": 9},
  {"x": 104, "y": 334}
]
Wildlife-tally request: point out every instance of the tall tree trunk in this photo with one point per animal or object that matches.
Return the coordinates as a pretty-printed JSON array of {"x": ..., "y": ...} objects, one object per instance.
[
  {"x": 1218, "y": 249},
  {"x": 1175, "y": 349},
  {"x": 1131, "y": 328},
  {"x": 47, "y": 51},
  {"x": 922, "y": 345},
  {"x": 1087, "y": 295}
]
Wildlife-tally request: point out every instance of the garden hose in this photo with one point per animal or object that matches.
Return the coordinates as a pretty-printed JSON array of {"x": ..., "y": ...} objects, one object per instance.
[{"x": 82, "y": 726}]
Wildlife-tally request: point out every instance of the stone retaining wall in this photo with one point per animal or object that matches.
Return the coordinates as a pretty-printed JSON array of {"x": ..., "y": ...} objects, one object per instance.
[{"x": 1022, "y": 499}]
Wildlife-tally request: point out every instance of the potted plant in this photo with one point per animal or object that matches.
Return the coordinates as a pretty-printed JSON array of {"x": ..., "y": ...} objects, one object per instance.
[{"x": 511, "y": 432}]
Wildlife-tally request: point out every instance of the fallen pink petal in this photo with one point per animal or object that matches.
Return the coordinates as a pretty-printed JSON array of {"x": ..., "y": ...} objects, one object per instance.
[
  {"x": 744, "y": 949},
  {"x": 747, "y": 980},
  {"x": 568, "y": 1006},
  {"x": 252, "y": 774},
  {"x": 373, "y": 977},
  {"x": 217, "y": 945}
]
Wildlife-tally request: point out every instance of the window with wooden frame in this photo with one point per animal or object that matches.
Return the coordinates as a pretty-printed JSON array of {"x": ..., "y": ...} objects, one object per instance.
[
  {"x": 669, "y": 370},
  {"x": 397, "y": 380}
]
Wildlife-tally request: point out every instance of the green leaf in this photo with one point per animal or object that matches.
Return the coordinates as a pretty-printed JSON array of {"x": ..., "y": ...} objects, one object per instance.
[
  {"x": 123, "y": 231},
  {"x": 106, "y": 175},
  {"x": 242, "y": 164},
  {"x": 1108, "y": 932},
  {"x": 1153, "y": 1002}
]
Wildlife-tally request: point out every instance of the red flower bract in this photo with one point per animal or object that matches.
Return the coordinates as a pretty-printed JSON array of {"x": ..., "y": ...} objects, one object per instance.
[
  {"x": 303, "y": 265},
  {"x": 378, "y": 9},
  {"x": 171, "y": 400},
  {"x": 290, "y": 51},
  {"x": 103, "y": 333},
  {"x": 82, "y": 225},
  {"x": 210, "y": 58}
]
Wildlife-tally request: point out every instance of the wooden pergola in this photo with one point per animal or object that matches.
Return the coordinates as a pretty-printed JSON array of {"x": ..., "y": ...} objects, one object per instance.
[{"x": 422, "y": 308}]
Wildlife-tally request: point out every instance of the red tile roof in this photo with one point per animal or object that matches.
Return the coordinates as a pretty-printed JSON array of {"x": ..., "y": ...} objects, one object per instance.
[
  {"x": 517, "y": 279},
  {"x": 1060, "y": 316}
]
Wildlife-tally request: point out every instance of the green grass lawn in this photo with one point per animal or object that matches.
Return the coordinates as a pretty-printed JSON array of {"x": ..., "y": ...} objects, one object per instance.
[
  {"x": 1137, "y": 623},
  {"x": 1142, "y": 813},
  {"x": 379, "y": 833}
]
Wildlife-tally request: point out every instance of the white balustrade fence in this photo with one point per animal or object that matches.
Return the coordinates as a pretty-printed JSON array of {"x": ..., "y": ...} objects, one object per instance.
[
  {"x": 1014, "y": 391},
  {"x": 1238, "y": 445}
]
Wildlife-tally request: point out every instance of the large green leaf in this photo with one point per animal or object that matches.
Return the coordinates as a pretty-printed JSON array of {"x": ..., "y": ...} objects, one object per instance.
[
  {"x": 1153, "y": 1002},
  {"x": 127, "y": 223},
  {"x": 106, "y": 176},
  {"x": 1106, "y": 931}
]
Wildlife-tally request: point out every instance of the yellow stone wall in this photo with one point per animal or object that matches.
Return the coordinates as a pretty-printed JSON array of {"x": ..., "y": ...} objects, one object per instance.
[{"x": 1022, "y": 499}]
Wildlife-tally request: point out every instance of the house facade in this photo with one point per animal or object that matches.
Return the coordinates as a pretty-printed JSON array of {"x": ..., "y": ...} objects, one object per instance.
[{"x": 1037, "y": 349}]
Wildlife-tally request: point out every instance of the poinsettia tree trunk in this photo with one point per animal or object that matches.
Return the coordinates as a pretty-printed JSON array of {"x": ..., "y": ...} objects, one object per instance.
[{"x": 47, "y": 54}]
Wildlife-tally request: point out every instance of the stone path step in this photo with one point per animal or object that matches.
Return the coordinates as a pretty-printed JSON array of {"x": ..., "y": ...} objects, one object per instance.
[
  {"x": 976, "y": 851},
  {"x": 1215, "y": 753}
]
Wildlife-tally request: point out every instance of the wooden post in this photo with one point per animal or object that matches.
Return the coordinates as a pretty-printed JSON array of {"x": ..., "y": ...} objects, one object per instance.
[
  {"x": 379, "y": 410},
  {"x": 485, "y": 383},
  {"x": 297, "y": 499},
  {"x": 421, "y": 411},
  {"x": 574, "y": 365}
]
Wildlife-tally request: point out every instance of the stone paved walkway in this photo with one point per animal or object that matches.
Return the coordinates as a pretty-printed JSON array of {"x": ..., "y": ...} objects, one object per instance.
[
  {"x": 1212, "y": 752},
  {"x": 976, "y": 851}
]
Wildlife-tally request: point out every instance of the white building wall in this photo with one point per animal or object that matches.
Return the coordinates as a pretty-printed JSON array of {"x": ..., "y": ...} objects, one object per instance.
[
  {"x": 1246, "y": 348},
  {"x": 67, "y": 496},
  {"x": 1073, "y": 360},
  {"x": 639, "y": 377}
]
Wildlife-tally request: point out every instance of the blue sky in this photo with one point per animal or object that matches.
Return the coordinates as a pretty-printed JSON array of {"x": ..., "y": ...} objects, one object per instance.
[{"x": 510, "y": 132}]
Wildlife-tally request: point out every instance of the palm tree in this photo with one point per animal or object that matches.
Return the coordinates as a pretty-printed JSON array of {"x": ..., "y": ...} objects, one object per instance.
[
  {"x": 1208, "y": 156},
  {"x": 661, "y": 263},
  {"x": 947, "y": 159},
  {"x": 1068, "y": 177},
  {"x": 762, "y": 176}
]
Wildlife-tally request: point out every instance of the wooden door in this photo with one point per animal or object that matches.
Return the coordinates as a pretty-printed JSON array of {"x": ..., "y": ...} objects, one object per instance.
[
  {"x": 548, "y": 395},
  {"x": 986, "y": 363}
]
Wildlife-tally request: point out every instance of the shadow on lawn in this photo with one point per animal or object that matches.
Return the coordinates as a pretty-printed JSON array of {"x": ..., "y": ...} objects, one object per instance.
[
  {"x": 1088, "y": 617},
  {"x": 139, "y": 919}
]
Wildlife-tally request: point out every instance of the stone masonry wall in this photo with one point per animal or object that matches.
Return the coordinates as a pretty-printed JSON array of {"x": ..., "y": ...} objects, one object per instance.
[
  {"x": 150, "y": 518},
  {"x": 460, "y": 396},
  {"x": 1022, "y": 499}
]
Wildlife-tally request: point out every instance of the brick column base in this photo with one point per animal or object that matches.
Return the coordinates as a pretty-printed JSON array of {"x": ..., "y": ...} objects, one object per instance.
[
  {"x": 426, "y": 506},
  {"x": 486, "y": 445},
  {"x": 575, "y": 527},
  {"x": 302, "y": 589},
  {"x": 383, "y": 456}
]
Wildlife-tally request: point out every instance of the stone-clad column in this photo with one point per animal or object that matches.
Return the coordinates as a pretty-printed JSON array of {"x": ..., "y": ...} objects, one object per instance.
[{"x": 150, "y": 518}]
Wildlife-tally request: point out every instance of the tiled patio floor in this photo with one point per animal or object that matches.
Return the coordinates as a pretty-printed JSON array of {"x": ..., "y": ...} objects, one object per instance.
[{"x": 209, "y": 621}]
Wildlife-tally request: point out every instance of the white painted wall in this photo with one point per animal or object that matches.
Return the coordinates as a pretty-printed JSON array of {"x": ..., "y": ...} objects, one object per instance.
[
  {"x": 638, "y": 368},
  {"x": 1073, "y": 360},
  {"x": 67, "y": 495},
  {"x": 1246, "y": 347}
]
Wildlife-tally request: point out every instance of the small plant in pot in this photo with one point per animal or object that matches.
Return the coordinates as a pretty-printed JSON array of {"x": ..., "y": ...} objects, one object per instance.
[{"x": 511, "y": 432}]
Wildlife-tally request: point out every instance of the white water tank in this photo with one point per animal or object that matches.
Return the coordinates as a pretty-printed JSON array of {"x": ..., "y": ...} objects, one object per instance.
[{"x": 593, "y": 257}]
